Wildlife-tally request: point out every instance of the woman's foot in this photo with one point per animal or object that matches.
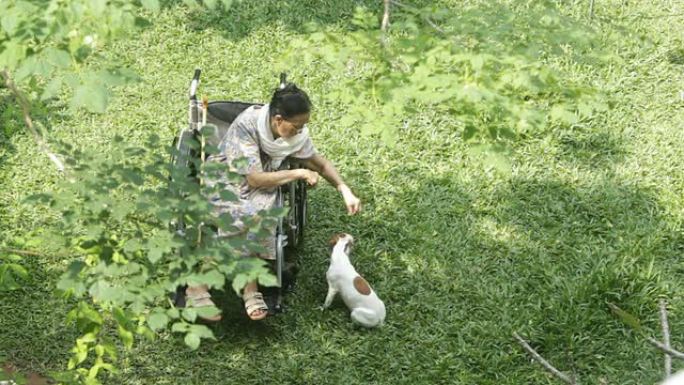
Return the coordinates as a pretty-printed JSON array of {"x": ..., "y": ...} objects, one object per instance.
[
  {"x": 198, "y": 296},
  {"x": 255, "y": 306}
]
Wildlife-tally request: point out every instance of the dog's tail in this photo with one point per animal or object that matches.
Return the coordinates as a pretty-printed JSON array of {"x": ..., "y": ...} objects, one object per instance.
[{"x": 365, "y": 317}]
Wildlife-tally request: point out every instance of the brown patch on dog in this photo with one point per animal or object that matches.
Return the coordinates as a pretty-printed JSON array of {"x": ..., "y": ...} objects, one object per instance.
[
  {"x": 361, "y": 285},
  {"x": 36, "y": 379},
  {"x": 335, "y": 238},
  {"x": 31, "y": 379}
]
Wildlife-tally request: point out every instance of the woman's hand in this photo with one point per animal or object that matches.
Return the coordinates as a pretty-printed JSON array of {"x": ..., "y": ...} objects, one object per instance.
[
  {"x": 311, "y": 177},
  {"x": 350, "y": 200}
]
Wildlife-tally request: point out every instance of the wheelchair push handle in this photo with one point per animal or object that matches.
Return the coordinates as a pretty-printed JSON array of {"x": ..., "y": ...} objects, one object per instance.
[
  {"x": 194, "y": 83},
  {"x": 283, "y": 80}
]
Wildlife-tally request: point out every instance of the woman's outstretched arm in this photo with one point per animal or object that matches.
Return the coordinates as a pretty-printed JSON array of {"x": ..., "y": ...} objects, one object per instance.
[
  {"x": 325, "y": 167},
  {"x": 279, "y": 178}
]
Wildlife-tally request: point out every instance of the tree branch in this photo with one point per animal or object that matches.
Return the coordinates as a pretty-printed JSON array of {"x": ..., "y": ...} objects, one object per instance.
[
  {"x": 25, "y": 108},
  {"x": 666, "y": 349},
  {"x": 427, "y": 19},
  {"x": 32, "y": 253},
  {"x": 543, "y": 362},
  {"x": 666, "y": 337},
  {"x": 385, "y": 16}
]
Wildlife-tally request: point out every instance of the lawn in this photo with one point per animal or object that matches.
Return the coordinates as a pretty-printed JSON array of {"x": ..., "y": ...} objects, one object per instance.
[{"x": 463, "y": 254}]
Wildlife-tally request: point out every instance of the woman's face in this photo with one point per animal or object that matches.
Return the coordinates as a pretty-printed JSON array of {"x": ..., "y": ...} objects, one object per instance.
[{"x": 287, "y": 128}]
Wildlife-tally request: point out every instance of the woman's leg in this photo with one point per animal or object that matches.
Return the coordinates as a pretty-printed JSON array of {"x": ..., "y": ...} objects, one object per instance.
[
  {"x": 249, "y": 291},
  {"x": 199, "y": 297}
]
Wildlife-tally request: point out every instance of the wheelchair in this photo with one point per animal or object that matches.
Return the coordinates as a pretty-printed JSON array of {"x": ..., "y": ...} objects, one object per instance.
[{"x": 293, "y": 195}]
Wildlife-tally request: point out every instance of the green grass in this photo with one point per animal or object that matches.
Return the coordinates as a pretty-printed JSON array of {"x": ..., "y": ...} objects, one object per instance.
[{"x": 462, "y": 254}]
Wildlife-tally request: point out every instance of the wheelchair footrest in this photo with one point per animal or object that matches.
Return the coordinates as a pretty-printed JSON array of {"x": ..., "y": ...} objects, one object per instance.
[{"x": 274, "y": 300}]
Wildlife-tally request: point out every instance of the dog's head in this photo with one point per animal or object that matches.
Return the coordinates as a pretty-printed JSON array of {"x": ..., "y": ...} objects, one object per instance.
[{"x": 342, "y": 237}]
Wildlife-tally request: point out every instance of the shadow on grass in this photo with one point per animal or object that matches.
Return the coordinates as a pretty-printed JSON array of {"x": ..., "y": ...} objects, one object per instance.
[
  {"x": 591, "y": 148},
  {"x": 460, "y": 267},
  {"x": 465, "y": 269},
  {"x": 584, "y": 248},
  {"x": 35, "y": 335},
  {"x": 240, "y": 20},
  {"x": 10, "y": 119}
]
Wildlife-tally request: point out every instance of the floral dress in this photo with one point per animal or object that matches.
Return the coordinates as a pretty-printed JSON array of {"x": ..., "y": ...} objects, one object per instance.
[{"x": 241, "y": 142}]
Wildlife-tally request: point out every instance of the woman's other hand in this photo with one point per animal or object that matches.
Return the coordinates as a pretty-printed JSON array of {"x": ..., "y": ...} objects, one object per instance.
[
  {"x": 350, "y": 200},
  {"x": 311, "y": 177}
]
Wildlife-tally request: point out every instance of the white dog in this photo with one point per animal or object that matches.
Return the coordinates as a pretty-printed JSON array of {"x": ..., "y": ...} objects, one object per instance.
[
  {"x": 366, "y": 308},
  {"x": 677, "y": 379}
]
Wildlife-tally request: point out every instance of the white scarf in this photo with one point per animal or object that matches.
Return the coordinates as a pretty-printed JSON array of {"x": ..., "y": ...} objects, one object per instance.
[{"x": 280, "y": 148}]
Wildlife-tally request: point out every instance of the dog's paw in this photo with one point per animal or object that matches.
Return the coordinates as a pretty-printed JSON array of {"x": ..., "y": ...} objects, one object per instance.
[{"x": 321, "y": 308}]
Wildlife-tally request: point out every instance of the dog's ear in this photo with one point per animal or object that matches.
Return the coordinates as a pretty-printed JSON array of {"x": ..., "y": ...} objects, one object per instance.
[
  {"x": 348, "y": 247},
  {"x": 335, "y": 238}
]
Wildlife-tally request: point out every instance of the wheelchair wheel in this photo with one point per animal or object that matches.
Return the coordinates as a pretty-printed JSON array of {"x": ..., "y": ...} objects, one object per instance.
[
  {"x": 302, "y": 206},
  {"x": 296, "y": 217}
]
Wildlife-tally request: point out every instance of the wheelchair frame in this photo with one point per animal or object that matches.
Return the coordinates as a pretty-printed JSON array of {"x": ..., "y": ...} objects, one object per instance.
[{"x": 290, "y": 229}]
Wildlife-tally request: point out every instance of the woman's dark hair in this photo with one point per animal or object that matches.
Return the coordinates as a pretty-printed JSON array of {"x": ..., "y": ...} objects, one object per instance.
[{"x": 289, "y": 101}]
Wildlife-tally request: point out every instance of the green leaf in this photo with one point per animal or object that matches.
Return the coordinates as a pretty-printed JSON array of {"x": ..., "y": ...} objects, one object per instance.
[
  {"x": 191, "y": 3},
  {"x": 126, "y": 337},
  {"x": 93, "y": 97},
  {"x": 11, "y": 258},
  {"x": 52, "y": 88},
  {"x": 91, "y": 381},
  {"x": 173, "y": 313},
  {"x": 626, "y": 317},
  {"x": 145, "y": 332},
  {"x": 239, "y": 282},
  {"x": 562, "y": 114},
  {"x": 89, "y": 314},
  {"x": 120, "y": 316},
  {"x": 19, "y": 270},
  {"x": 57, "y": 57},
  {"x": 12, "y": 54},
  {"x": 227, "y": 195},
  {"x": 141, "y": 22},
  {"x": 155, "y": 254},
  {"x": 110, "y": 349},
  {"x": 118, "y": 76},
  {"x": 202, "y": 331},
  {"x": 192, "y": 340},
  {"x": 32, "y": 66},
  {"x": 132, "y": 245},
  {"x": 268, "y": 279},
  {"x": 469, "y": 131},
  {"x": 103, "y": 291},
  {"x": 88, "y": 337},
  {"x": 152, "y": 5},
  {"x": 214, "y": 279},
  {"x": 180, "y": 327},
  {"x": 190, "y": 314},
  {"x": 10, "y": 22},
  {"x": 98, "y": 7},
  {"x": 477, "y": 62},
  {"x": 80, "y": 353},
  {"x": 207, "y": 311},
  {"x": 158, "y": 321}
]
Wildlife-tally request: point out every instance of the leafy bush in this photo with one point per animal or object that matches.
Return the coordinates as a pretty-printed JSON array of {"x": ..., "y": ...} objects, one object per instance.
[
  {"x": 119, "y": 210},
  {"x": 486, "y": 66}
]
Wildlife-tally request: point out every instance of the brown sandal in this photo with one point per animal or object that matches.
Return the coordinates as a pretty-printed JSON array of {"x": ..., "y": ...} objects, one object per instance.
[
  {"x": 254, "y": 302},
  {"x": 202, "y": 300}
]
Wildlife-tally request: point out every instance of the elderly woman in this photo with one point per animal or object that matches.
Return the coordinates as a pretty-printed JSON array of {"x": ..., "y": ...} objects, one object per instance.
[{"x": 265, "y": 136}]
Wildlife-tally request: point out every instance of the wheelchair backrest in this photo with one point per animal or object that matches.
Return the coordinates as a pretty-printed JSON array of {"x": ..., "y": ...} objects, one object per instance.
[{"x": 221, "y": 114}]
